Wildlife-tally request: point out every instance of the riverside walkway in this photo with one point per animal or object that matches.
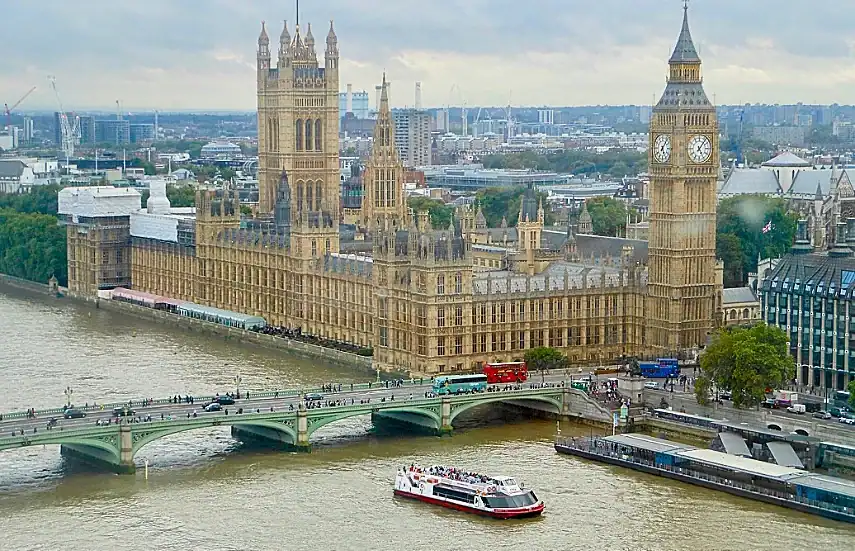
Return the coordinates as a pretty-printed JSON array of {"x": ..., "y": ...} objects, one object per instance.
[{"x": 283, "y": 419}]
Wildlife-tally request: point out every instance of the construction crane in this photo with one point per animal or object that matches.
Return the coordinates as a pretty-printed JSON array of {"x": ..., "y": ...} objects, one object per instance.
[
  {"x": 70, "y": 131},
  {"x": 8, "y": 110}
]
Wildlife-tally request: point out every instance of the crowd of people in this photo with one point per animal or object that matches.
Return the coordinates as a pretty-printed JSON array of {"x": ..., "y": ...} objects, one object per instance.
[
  {"x": 452, "y": 473},
  {"x": 298, "y": 335}
]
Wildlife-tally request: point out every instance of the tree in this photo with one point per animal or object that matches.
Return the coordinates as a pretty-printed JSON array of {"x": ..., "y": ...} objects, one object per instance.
[
  {"x": 851, "y": 389},
  {"x": 32, "y": 246},
  {"x": 440, "y": 213},
  {"x": 497, "y": 203},
  {"x": 728, "y": 248},
  {"x": 744, "y": 217},
  {"x": 543, "y": 357},
  {"x": 179, "y": 196},
  {"x": 608, "y": 215},
  {"x": 41, "y": 200},
  {"x": 747, "y": 361}
]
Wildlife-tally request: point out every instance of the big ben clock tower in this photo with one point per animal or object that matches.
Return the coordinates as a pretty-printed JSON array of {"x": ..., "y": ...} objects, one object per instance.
[{"x": 684, "y": 164}]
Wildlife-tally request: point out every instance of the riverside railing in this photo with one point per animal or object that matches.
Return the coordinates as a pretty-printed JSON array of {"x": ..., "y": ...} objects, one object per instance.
[{"x": 605, "y": 449}]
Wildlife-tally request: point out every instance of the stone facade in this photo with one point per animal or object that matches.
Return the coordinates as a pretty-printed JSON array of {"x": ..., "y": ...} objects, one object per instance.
[{"x": 418, "y": 299}]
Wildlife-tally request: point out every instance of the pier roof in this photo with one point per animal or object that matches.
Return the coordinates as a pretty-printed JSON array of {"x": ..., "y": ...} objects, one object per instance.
[
  {"x": 648, "y": 443},
  {"x": 741, "y": 464}
]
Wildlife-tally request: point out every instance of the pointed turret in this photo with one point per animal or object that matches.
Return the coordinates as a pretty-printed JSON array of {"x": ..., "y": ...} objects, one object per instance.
[
  {"x": 285, "y": 37},
  {"x": 685, "y": 51},
  {"x": 263, "y": 39},
  {"x": 384, "y": 197},
  {"x": 504, "y": 223},
  {"x": 332, "y": 39},
  {"x": 480, "y": 219},
  {"x": 310, "y": 39},
  {"x": 586, "y": 223}
]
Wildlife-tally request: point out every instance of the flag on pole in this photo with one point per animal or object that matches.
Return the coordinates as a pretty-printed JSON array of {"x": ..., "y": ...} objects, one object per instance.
[{"x": 768, "y": 227}]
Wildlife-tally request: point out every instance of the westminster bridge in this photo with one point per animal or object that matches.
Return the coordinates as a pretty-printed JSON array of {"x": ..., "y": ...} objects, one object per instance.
[{"x": 278, "y": 419}]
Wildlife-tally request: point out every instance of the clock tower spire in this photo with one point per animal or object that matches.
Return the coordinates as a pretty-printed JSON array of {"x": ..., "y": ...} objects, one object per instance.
[{"x": 684, "y": 164}]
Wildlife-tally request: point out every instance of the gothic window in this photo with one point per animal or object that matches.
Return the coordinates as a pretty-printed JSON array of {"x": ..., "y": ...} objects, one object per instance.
[
  {"x": 299, "y": 196},
  {"x": 318, "y": 196},
  {"x": 440, "y": 346},
  {"x": 309, "y": 196},
  {"x": 440, "y": 284},
  {"x": 458, "y": 345},
  {"x": 299, "y": 126},
  {"x": 458, "y": 283},
  {"x": 327, "y": 246},
  {"x": 440, "y": 317},
  {"x": 309, "y": 127},
  {"x": 458, "y": 316},
  {"x": 319, "y": 133}
]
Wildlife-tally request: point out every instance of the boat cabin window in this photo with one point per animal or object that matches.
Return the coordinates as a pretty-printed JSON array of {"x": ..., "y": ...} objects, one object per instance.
[
  {"x": 508, "y": 482},
  {"x": 510, "y": 502}
]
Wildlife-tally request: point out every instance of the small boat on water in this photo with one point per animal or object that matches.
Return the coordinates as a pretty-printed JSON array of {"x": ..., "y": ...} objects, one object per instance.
[{"x": 492, "y": 496}]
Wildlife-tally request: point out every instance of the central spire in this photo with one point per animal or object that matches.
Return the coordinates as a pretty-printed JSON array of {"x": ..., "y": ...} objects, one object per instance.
[{"x": 685, "y": 51}]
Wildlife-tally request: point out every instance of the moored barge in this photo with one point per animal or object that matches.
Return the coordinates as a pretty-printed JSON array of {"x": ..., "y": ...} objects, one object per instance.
[{"x": 797, "y": 489}]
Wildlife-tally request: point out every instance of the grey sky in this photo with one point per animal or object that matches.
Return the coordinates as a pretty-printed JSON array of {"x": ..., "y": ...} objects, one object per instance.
[{"x": 180, "y": 54}]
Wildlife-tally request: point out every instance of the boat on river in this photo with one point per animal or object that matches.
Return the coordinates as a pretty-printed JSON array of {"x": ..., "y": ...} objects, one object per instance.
[{"x": 492, "y": 496}]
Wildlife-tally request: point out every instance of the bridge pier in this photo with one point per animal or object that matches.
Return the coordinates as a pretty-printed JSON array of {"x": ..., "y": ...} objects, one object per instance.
[
  {"x": 102, "y": 459},
  {"x": 445, "y": 428},
  {"x": 264, "y": 437}
]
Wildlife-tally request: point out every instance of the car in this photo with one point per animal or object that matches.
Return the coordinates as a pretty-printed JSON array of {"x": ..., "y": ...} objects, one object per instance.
[
  {"x": 123, "y": 412},
  {"x": 726, "y": 395},
  {"x": 796, "y": 408},
  {"x": 822, "y": 415},
  {"x": 313, "y": 396},
  {"x": 74, "y": 414},
  {"x": 224, "y": 400},
  {"x": 846, "y": 420},
  {"x": 652, "y": 385},
  {"x": 213, "y": 406}
]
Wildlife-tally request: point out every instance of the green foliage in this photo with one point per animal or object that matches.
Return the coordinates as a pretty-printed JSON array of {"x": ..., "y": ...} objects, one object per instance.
[
  {"x": 501, "y": 202},
  {"x": 746, "y": 361},
  {"x": 32, "y": 246},
  {"x": 851, "y": 389},
  {"x": 440, "y": 213},
  {"x": 572, "y": 161},
  {"x": 608, "y": 215},
  {"x": 179, "y": 196},
  {"x": 149, "y": 168},
  {"x": 246, "y": 210},
  {"x": 41, "y": 200},
  {"x": 743, "y": 217},
  {"x": 545, "y": 357}
]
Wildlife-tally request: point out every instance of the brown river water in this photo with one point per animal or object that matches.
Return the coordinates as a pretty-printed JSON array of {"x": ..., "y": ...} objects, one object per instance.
[{"x": 205, "y": 491}]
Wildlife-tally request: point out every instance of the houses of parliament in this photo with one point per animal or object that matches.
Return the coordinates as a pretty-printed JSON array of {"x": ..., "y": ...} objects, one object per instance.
[{"x": 424, "y": 299}]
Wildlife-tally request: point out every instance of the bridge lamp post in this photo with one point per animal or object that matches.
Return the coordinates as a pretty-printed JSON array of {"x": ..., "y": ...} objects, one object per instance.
[
  {"x": 68, "y": 392},
  {"x": 238, "y": 380}
]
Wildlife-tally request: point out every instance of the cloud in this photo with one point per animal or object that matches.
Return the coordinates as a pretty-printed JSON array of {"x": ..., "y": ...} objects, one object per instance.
[{"x": 200, "y": 54}]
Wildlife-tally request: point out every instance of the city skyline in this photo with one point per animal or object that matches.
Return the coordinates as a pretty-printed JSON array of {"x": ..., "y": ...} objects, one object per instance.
[{"x": 195, "y": 56}]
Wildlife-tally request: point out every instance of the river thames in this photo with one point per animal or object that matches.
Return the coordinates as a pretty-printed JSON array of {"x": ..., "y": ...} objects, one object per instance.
[{"x": 205, "y": 491}]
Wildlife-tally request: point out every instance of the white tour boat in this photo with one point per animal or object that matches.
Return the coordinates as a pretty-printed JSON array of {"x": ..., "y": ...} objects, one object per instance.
[{"x": 492, "y": 496}]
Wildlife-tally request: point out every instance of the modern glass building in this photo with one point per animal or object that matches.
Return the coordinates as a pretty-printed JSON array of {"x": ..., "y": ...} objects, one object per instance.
[{"x": 811, "y": 295}]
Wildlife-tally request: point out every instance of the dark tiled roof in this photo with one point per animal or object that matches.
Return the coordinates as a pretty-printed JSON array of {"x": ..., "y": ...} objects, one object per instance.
[
  {"x": 11, "y": 168},
  {"x": 738, "y": 295},
  {"x": 815, "y": 274}
]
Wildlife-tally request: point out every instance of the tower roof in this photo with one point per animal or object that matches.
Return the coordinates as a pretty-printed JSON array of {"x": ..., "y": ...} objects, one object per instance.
[
  {"x": 685, "y": 51},
  {"x": 263, "y": 39},
  {"x": 285, "y": 37},
  {"x": 528, "y": 207},
  {"x": 331, "y": 36}
]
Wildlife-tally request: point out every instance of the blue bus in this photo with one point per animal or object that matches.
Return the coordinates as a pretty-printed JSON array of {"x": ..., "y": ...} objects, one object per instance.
[
  {"x": 459, "y": 384},
  {"x": 661, "y": 368}
]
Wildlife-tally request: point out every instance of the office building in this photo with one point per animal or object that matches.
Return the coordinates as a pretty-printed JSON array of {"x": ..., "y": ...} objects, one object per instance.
[
  {"x": 412, "y": 136},
  {"x": 112, "y": 131}
]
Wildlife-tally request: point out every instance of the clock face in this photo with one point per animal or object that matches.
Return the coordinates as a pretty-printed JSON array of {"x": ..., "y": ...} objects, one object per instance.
[
  {"x": 700, "y": 149},
  {"x": 662, "y": 149}
]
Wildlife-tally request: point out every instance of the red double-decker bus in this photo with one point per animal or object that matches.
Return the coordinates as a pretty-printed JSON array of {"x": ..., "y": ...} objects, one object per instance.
[{"x": 509, "y": 372}]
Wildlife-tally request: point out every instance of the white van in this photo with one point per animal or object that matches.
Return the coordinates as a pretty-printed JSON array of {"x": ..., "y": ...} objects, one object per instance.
[{"x": 796, "y": 408}]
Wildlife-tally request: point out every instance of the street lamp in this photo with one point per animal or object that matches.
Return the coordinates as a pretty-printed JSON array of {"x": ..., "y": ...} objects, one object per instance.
[
  {"x": 237, "y": 384},
  {"x": 68, "y": 392}
]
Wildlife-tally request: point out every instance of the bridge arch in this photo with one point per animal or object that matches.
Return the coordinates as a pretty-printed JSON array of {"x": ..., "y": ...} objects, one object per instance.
[
  {"x": 315, "y": 423},
  {"x": 143, "y": 437},
  {"x": 553, "y": 401},
  {"x": 801, "y": 432},
  {"x": 773, "y": 426}
]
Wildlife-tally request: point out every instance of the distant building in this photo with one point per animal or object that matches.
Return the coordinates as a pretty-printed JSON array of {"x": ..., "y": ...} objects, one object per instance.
[
  {"x": 740, "y": 305},
  {"x": 113, "y": 132},
  {"x": 220, "y": 150},
  {"x": 140, "y": 133},
  {"x": 546, "y": 116},
  {"x": 29, "y": 130},
  {"x": 87, "y": 130},
  {"x": 781, "y": 135},
  {"x": 412, "y": 136},
  {"x": 359, "y": 104},
  {"x": 15, "y": 176}
]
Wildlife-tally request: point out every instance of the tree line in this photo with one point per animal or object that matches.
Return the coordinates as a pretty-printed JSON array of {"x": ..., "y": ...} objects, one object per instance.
[{"x": 616, "y": 164}]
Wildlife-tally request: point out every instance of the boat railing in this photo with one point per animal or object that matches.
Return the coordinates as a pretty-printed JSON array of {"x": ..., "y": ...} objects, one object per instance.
[{"x": 607, "y": 449}]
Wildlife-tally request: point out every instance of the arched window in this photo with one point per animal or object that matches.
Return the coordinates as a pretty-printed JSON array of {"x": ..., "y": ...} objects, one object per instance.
[
  {"x": 309, "y": 141},
  {"x": 440, "y": 284},
  {"x": 299, "y": 196},
  {"x": 299, "y": 134},
  {"x": 458, "y": 283},
  {"x": 733, "y": 314},
  {"x": 318, "y": 196},
  {"x": 319, "y": 135},
  {"x": 309, "y": 196},
  {"x": 746, "y": 314}
]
